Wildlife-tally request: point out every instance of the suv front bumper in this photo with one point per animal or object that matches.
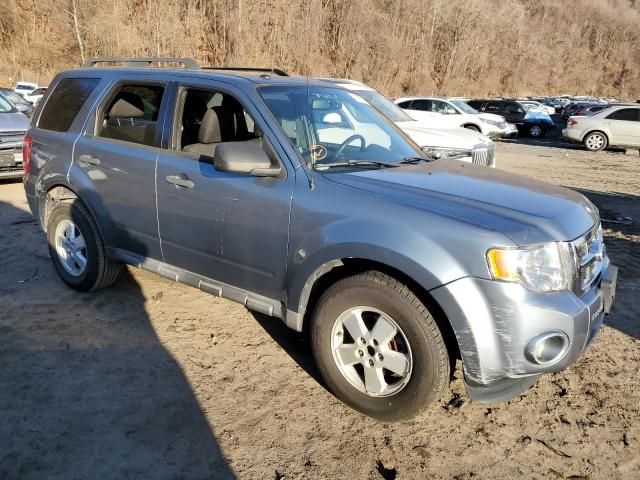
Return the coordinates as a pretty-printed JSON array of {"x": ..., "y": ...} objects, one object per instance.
[{"x": 494, "y": 322}]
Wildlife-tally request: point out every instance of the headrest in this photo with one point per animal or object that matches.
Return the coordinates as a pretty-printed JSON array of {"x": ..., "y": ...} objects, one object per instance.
[
  {"x": 210, "y": 128},
  {"x": 128, "y": 105}
]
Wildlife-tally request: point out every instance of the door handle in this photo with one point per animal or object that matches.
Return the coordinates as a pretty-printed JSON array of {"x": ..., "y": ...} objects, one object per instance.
[
  {"x": 180, "y": 180},
  {"x": 89, "y": 159}
]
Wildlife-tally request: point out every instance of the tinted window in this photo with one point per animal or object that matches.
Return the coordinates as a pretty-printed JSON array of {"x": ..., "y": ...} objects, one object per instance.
[
  {"x": 512, "y": 108},
  {"x": 477, "y": 104},
  {"x": 421, "y": 105},
  {"x": 65, "y": 102},
  {"x": 493, "y": 107},
  {"x": 630, "y": 114},
  {"x": 132, "y": 114},
  {"x": 405, "y": 104}
]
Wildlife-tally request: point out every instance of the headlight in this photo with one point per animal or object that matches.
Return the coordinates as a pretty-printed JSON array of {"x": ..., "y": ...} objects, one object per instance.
[
  {"x": 444, "y": 152},
  {"x": 490, "y": 122},
  {"x": 543, "y": 268}
]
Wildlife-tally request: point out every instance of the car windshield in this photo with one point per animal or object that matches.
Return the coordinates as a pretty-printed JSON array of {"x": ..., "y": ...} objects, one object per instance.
[
  {"x": 13, "y": 96},
  {"x": 386, "y": 106},
  {"x": 463, "y": 106},
  {"x": 5, "y": 105},
  {"x": 329, "y": 125}
]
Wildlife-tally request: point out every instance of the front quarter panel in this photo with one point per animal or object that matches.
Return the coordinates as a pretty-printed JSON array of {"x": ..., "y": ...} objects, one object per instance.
[{"x": 332, "y": 222}]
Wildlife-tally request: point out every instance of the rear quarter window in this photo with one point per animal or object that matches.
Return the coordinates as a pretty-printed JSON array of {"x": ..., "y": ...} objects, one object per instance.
[{"x": 64, "y": 103}]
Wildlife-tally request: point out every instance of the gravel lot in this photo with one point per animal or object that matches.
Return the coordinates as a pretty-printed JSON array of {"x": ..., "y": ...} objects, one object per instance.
[{"x": 154, "y": 380}]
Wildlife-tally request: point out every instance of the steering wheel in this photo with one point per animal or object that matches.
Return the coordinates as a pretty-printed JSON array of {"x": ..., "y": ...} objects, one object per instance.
[{"x": 343, "y": 145}]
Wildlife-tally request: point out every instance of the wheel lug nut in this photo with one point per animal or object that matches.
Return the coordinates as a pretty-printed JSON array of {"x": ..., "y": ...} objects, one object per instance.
[
  {"x": 370, "y": 362},
  {"x": 361, "y": 341},
  {"x": 380, "y": 357},
  {"x": 375, "y": 342},
  {"x": 361, "y": 353}
]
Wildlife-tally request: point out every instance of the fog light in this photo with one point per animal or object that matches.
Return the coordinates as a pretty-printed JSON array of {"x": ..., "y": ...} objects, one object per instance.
[{"x": 547, "y": 348}]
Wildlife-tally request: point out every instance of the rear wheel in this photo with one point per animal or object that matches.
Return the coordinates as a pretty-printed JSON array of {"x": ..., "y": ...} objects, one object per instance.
[
  {"x": 595, "y": 141},
  {"x": 77, "y": 250},
  {"x": 536, "y": 131},
  {"x": 378, "y": 348}
]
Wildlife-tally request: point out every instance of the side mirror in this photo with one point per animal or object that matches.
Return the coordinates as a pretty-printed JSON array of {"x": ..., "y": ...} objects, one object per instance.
[{"x": 244, "y": 157}]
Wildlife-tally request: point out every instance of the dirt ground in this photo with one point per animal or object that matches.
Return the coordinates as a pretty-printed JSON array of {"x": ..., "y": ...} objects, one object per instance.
[{"x": 155, "y": 380}]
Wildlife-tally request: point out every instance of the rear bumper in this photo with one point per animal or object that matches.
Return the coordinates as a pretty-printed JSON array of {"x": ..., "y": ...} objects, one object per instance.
[
  {"x": 572, "y": 134},
  {"x": 11, "y": 161},
  {"x": 494, "y": 323}
]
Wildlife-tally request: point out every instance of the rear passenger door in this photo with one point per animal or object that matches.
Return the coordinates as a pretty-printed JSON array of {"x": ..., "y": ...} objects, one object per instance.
[
  {"x": 230, "y": 227},
  {"x": 115, "y": 160}
]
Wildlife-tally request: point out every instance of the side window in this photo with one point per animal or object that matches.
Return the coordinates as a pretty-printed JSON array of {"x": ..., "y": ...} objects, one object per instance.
[
  {"x": 132, "y": 114},
  {"x": 512, "y": 108},
  {"x": 492, "y": 107},
  {"x": 443, "y": 107},
  {"x": 209, "y": 118},
  {"x": 424, "y": 105},
  {"x": 406, "y": 104},
  {"x": 65, "y": 102},
  {"x": 477, "y": 104},
  {"x": 628, "y": 114}
]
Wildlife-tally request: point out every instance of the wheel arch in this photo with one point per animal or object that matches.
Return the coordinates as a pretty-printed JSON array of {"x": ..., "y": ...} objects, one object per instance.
[
  {"x": 598, "y": 130},
  {"x": 60, "y": 192},
  {"x": 334, "y": 270},
  {"x": 472, "y": 126}
]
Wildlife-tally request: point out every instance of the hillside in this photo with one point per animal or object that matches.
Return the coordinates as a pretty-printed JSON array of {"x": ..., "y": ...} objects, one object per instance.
[{"x": 454, "y": 47}]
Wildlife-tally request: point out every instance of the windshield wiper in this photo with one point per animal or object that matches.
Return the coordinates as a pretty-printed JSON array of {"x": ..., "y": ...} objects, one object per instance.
[
  {"x": 355, "y": 163},
  {"x": 414, "y": 160}
]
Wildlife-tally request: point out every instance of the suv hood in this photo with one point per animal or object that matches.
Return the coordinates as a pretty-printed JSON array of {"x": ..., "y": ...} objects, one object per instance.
[
  {"x": 527, "y": 211},
  {"x": 14, "y": 122},
  {"x": 445, "y": 137}
]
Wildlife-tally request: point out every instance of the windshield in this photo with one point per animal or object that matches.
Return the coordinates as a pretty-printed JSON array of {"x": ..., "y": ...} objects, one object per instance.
[
  {"x": 386, "y": 106},
  {"x": 5, "y": 105},
  {"x": 13, "y": 96},
  {"x": 463, "y": 106},
  {"x": 331, "y": 125}
]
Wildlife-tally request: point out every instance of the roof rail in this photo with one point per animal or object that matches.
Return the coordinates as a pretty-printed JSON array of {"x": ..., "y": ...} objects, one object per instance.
[
  {"x": 189, "y": 63},
  {"x": 277, "y": 71}
]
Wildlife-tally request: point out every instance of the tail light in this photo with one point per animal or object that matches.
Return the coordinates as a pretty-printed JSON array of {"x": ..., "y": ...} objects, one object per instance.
[
  {"x": 572, "y": 122},
  {"x": 26, "y": 153}
]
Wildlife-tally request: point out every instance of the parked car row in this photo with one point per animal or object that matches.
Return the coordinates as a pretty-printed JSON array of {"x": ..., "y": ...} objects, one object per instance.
[{"x": 13, "y": 125}]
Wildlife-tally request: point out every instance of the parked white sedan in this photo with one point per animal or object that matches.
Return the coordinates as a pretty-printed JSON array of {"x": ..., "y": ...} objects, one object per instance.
[
  {"x": 441, "y": 112},
  {"x": 615, "y": 126},
  {"x": 453, "y": 143},
  {"x": 35, "y": 96}
]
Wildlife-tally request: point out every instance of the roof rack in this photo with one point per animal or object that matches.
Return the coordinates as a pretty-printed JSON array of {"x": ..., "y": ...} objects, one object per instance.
[
  {"x": 188, "y": 63},
  {"x": 277, "y": 71}
]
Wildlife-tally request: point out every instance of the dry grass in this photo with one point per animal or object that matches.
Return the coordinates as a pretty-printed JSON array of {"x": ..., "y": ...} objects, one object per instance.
[{"x": 455, "y": 47}]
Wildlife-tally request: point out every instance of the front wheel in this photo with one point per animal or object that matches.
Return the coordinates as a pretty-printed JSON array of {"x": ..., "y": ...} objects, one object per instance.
[
  {"x": 475, "y": 128},
  {"x": 378, "y": 348}
]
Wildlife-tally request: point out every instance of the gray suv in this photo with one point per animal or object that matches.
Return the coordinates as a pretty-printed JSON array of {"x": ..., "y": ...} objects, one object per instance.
[{"x": 395, "y": 263}]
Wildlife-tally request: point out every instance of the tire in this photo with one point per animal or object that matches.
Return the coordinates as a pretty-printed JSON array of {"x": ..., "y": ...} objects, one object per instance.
[
  {"x": 473, "y": 127},
  {"x": 98, "y": 271},
  {"x": 595, "y": 141},
  {"x": 536, "y": 131},
  {"x": 380, "y": 297}
]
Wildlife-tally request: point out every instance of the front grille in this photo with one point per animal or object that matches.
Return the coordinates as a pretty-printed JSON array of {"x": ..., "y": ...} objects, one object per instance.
[
  {"x": 589, "y": 255},
  {"x": 483, "y": 154}
]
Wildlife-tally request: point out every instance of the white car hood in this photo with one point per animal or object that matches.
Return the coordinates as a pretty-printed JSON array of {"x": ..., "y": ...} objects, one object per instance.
[{"x": 442, "y": 137}]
